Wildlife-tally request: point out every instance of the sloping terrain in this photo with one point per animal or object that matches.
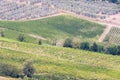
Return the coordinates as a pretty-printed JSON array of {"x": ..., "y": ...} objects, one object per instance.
[
  {"x": 61, "y": 63},
  {"x": 113, "y": 37},
  {"x": 59, "y": 27}
]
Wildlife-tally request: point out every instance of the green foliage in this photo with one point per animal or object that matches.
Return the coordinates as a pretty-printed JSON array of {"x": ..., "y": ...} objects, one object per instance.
[
  {"x": 59, "y": 61},
  {"x": 2, "y": 34},
  {"x": 85, "y": 46},
  {"x": 68, "y": 42},
  {"x": 28, "y": 69},
  {"x": 58, "y": 27},
  {"x": 94, "y": 47},
  {"x": 40, "y": 42},
  {"x": 114, "y": 50},
  {"x": 101, "y": 48},
  {"x": 21, "y": 38},
  {"x": 9, "y": 70}
]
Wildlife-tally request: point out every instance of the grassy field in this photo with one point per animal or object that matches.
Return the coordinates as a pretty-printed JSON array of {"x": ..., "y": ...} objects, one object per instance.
[
  {"x": 57, "y": 63},
  {"x": 59, "y": 27}
]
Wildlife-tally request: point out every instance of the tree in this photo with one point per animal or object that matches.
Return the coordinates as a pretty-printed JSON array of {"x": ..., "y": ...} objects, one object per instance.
[
  {"x": 118, "y": 50},
  {"x": 68, "y": 43},
  {"x": 39, "y": 42},
  {"x": 2, "y": 34},
  {"x": 28, "y": 69},
  {"x": 94, "y": 47},
  {"x": 21, "y": 38},
  {"x": 84, "y": 46},
  {"x": 112, "y": 50}
]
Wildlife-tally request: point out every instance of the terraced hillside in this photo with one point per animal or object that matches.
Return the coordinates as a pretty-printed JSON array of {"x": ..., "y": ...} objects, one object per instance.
[
  {"x": 113, "y": 37},
  {"x": 57, "y": 63},
  {"x": 59, "y": 27}
]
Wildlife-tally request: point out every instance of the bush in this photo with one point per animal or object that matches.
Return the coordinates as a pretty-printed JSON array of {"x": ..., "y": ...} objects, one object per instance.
[
  {"x": 28, "y": 69},
  {"x": 40, "y": 42},
  {"x": 21, "y": 38},
  {"x": 68, "y": 43},
  {"x": 94, "y": 47},
  {"x": 112, "y": 50},
  {"x": 2, "y": 34},
  {"x": 118, "y": 50},
  {"x": 84, "y": 46},
  {"x": 9, "y": 70}
]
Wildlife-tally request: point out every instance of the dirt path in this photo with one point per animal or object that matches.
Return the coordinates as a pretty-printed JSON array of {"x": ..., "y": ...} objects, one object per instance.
[
  {"x": 4, "y": 78},
  {"x": 106, "y": 31},
  {"x": 36, "y": 36}
]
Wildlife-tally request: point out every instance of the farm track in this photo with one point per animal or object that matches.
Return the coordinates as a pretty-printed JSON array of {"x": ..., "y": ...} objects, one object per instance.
[{"x": 4, "y": 78}]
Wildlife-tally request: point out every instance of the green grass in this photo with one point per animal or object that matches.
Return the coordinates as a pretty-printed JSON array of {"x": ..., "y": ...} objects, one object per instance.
[
  {"x": 57, "y": 63},
  {"x": 59, "y": 27}
]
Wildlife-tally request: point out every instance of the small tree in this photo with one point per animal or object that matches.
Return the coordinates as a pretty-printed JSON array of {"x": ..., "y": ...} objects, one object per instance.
[
  {"x": 118, "y": 50},
  {"x": 28, "y": 69},
  {"x": 39, "y": 42},
  {"x": 21, "y": 38},
  {"x": 94, "y": 47},
  {"x": 84, "y": 46},
  {"x": 112, "y": 50},
  {"x": 2, "y": 34},
  {"x": 68, "y": 43}
]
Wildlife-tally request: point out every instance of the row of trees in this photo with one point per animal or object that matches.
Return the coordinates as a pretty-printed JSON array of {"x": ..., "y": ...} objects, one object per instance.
[
  {"x": 114, "y": 50},
  {"x": 10, "y": 70}
]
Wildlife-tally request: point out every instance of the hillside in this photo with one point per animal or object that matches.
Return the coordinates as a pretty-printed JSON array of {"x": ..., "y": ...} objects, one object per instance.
[
  {"x": 113, "y": 37},
  {"x": 57, "y": 63},
  {"x": 59, "y": 27}
]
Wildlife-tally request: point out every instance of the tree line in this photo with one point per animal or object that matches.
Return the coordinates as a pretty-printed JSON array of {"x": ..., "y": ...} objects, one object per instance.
[{"x": 114, "y": 50}]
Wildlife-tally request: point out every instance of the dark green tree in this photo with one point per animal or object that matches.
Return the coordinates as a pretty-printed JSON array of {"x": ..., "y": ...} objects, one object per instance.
[
  {"x": 39, "y": 42},
  {"x": 85, "y": 46},
  {"x": 68, "y": 43},
  {"x": 28, "y": 69},
  {"x": 21, "y": 38},
  {"x": 2, "y": 34},
  {"x": 118, "y": 50},
  {"x": 94, "y": 47},
  {"x": 112, "y": 50}
]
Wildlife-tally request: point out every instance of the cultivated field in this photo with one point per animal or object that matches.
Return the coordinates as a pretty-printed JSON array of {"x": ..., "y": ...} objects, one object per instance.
[{"x": 57, "y": 63}]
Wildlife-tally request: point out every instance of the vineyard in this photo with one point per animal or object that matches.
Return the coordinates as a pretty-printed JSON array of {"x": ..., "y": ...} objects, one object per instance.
[
  {"x": 54, "y": 62},
  {"x": 113, "y": 37}
]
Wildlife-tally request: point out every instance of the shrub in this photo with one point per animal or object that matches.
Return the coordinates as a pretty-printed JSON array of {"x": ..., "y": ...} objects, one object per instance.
[
  {"x": 21, "y": 38},
  {"x": 2, "y": 34},
  {"x": 40, "y": 42},
  {"x": 28, "y": 69},
  {"x": 68, "y": 43},
  {"x": 84, "y": 46},
  {"x": 112, "y": 50},
  {"x": 94, "y": 47},
  {"x": 9, "y": 70}
]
